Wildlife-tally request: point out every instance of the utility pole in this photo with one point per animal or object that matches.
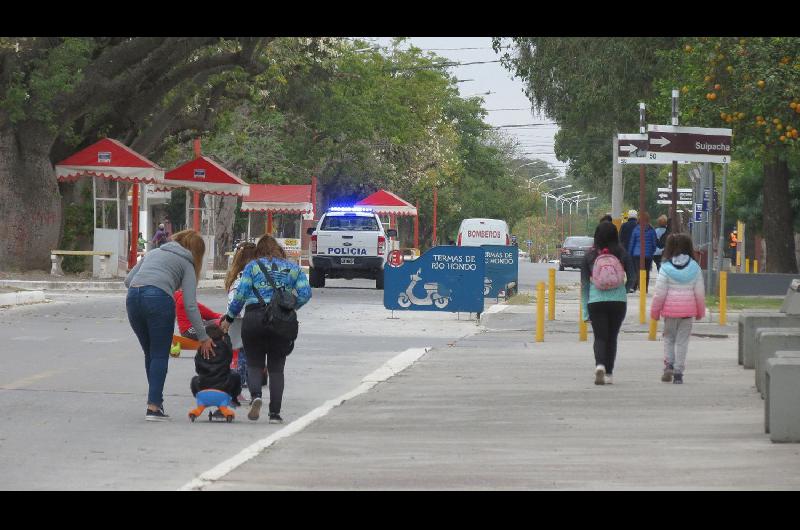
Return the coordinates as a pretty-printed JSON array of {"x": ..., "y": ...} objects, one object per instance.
[
  {"x": 642, "y": 130},
  {"x": 616, "y": 185},
  {"x": 673, "y": 215}
]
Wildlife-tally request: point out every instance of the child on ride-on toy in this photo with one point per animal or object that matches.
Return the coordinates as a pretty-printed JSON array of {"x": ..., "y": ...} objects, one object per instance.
[{"x": 215, "y": 385}]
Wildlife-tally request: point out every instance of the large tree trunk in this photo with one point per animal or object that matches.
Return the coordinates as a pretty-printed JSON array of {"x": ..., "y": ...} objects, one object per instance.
[
  {"x": 778, "y": 217},
  {"x": 226, "y": 208},
  {"x": 30, "y": 203}
]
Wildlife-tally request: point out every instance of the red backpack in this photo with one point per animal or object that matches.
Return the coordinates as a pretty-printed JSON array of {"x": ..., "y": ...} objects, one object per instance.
[{"x": 607, "y": 271}]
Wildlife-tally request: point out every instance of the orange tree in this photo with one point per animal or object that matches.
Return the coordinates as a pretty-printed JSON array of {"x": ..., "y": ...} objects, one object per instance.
[{"x": 751, "y": 85}]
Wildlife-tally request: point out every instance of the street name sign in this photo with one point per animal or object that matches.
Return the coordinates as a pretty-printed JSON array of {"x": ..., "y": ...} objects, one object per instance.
[
  {"x": 633, "y": 150},
  {"x": 689, "y": 144},
  {"x": 664, "y": 196}
]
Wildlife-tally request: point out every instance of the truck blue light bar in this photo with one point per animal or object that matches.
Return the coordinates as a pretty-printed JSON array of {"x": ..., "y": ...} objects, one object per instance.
[{"x": 349, "y": 209}]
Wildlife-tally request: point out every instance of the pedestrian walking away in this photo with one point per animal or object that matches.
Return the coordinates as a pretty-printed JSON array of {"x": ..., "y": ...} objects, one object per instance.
[
  {"x": 662, "y": 231},
  {"x": 606, "y": 275},
  {"x": 262, "y": 344},
  {"x": 626, "y": 229},
  {"x": 679, "y": 296},
  {"x": 160, "y": 237},
  {"x": 245, "y": 253},
  {"x": 151, "y": 308},
  {"x": 635, "y": 248}
]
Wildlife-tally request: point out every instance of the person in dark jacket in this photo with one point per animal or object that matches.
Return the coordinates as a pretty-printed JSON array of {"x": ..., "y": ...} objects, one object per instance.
[
  {"x": 650, "y": 245},
  {"x": 215, "y": 372},
  {"x": 627, "y": 228}
]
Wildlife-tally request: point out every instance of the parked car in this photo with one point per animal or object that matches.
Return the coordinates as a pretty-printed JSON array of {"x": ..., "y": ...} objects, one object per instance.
[{"x": 573, "y": 250}]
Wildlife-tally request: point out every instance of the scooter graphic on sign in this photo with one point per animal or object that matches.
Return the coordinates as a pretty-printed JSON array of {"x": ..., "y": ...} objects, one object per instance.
[
  {"x": 432, "y": 294},
  {"x": 487, "y": 286}
]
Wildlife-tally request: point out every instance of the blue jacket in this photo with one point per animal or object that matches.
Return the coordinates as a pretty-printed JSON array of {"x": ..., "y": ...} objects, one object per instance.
[{"x": 649, "y": 242}]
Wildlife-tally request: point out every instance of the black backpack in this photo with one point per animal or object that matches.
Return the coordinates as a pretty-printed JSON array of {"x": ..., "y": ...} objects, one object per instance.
[{"x": 280, "y": 314}]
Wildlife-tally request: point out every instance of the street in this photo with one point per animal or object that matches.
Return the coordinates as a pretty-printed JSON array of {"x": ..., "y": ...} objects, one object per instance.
[{"x": 73, "y": 388}]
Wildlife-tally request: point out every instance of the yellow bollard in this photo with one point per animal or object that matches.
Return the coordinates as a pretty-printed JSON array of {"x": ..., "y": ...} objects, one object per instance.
[
  {"x": 581, "y": 322},
  {"x": 755, "y": 266},
  {"x": 540, "y": 312},
  {"x": 723, "y": 297},
  {"x": 551, "y": 298},
  {"x": 747, "y": 265},
  {"x": 642, "y": 296},
  {"x": 653, "y": 329}
]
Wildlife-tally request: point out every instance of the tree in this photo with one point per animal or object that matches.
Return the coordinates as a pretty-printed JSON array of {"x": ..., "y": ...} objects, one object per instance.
[
  {"x": 61, "y": 94},
  {"x": 749, "y": 85}
]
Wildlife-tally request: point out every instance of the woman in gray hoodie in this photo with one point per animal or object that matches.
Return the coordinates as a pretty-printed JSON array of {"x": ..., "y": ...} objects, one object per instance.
[{"x": 151, "y": 308}]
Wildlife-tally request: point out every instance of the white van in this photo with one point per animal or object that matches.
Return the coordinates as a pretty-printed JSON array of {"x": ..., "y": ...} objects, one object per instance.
[{"x": 477, "y": 232}]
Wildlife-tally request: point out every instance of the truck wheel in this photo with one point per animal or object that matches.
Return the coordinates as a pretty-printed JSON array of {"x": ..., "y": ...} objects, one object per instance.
[
  {"x": 316, "y": 277},
  {"x": 379, "y": 280}
]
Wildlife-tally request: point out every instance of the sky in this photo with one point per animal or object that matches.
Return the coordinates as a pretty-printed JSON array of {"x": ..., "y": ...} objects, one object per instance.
[{"x": 504, "y": 92}]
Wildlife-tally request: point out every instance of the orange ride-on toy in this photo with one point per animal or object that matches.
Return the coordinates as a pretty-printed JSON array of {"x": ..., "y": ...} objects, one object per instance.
[{"x": 213, "y": 398}]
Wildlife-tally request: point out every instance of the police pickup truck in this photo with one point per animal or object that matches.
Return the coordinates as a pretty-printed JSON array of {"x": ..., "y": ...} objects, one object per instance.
[{"x": 349, "y": 243}]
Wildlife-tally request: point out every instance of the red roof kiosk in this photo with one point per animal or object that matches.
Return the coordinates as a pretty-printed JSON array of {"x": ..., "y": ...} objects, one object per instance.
[
  {"x": 114, "y": 168},
  {"x": 385, "y": 202},
  {"x": 204, "y": 176},
  {"x": 295, "y": 203}
]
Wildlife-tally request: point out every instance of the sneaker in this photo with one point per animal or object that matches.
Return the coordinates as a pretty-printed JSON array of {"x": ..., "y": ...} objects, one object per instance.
[
  {"x": 274, "y": 417},
  {"x": 609, "y": 379},
  {"x": 600, "y": 375},
  {"x": 678, "y": 379},
  {"x": 667, "y": 375},
  {"x": 255, "y": 409},
  {"x": 156, "y": 415}
]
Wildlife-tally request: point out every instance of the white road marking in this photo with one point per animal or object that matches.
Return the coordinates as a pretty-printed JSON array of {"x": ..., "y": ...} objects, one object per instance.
[
  {"x": 496, "y": 308},
  {"x": 390, "y": 368},
  {"x": 38, "y": 338}
]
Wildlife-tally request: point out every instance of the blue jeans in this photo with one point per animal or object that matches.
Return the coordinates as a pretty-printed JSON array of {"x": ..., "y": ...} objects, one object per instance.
[{"x": 151, "y": 313}]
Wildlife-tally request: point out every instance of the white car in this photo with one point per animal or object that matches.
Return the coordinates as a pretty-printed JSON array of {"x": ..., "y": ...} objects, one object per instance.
[{"x": 349, "y": 243}]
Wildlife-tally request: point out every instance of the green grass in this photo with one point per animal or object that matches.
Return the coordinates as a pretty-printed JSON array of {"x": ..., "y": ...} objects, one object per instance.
[
  {"x": 520, "y": 299},
  {"x": 746, "y": 302}
]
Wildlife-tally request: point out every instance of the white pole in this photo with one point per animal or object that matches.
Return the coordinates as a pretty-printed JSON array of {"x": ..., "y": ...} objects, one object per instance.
[{"x": 616, "y": 183}]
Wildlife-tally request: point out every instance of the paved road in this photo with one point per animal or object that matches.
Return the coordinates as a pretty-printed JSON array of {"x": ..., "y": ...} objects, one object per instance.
[{"x": 73, "y": 391}]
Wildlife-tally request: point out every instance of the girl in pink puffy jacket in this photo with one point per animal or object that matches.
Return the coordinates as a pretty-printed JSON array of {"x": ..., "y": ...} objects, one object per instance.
[{"x": 679, "y": 297}]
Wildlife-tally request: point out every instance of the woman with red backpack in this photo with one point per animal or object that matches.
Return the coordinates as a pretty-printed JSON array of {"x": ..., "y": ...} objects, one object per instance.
[{"x": 607, "y": 274}]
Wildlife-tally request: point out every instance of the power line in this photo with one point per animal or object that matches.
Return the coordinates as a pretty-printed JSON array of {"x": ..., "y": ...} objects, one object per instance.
[{"x": 497, "y": 110}]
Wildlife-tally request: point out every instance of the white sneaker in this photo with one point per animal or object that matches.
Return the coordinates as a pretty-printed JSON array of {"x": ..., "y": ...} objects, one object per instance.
[
  {"x": 609, "y": 380},
  {"x": 600, "y": 375}
]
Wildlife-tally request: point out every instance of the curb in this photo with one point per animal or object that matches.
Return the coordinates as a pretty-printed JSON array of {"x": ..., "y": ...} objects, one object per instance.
[{"x": 21, "y": 298}]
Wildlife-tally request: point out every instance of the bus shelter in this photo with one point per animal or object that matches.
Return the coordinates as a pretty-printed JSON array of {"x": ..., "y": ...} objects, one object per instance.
[
  {"x": 281, "y": 209},
  {"x": 114, "y": 169},
  {"x": 208, "y": 181},
  {"x": 387, "y": 204}
]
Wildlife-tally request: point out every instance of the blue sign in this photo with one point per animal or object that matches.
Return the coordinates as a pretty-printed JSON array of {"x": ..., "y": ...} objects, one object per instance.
[
  {"x": 446, "y": 278},
  {"x": 706, "y": 196},
  {"x": 698, "y": 212},
  {"x": 502, "y": 268}
]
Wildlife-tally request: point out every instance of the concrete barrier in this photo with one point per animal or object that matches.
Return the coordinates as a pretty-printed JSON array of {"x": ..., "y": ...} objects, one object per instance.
[
  {"x": 769, "y": 341},
  {"x": 783, "y": 354},
  {"x": 749, "y": 324},
  {"x": 782, "y": 410}
]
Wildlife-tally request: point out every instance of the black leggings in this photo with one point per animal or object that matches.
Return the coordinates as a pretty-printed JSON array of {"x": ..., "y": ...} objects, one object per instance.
[
  {"x": 607, "y": 318},
  {"x": 261, "y": 345}
]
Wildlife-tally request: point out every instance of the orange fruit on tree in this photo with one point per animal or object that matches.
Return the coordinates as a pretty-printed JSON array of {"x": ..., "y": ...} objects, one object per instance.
[
  {"x": 761, "y": 83},
  {"x": 776, "y": 120},
  {"x": 782, "y": 138},
  {"x": 717, "y": 86},
  {"x": 793, "y": 104},
  {"x": 740, "y": 115},
  {"x": 687, "y": 48},
  {"x": 712, "y": 96},
  {"x": 779, "y": 127},
  {"x": 729, "y": 68},
  {"x": 707, "y": 79}
]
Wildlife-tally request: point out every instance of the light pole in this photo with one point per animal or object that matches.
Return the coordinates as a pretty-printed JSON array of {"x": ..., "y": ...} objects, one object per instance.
[
  {"x": 549, "y": 194},
  {"x": 538, "y": 184}
]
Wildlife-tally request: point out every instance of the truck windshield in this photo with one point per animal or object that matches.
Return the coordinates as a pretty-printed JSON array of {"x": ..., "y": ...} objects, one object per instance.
[{"x": 350, "y": 223}]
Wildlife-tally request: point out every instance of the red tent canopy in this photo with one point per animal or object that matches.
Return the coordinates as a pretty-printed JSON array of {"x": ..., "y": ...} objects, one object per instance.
[
  {"x": 205, "y": 175},
  {"x": 386, "y": 202},
  {"x": 109, "y": 159},
  {"x": 279, "y": 198}
]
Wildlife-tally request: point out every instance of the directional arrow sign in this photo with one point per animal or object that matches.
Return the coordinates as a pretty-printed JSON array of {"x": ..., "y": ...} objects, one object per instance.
[
  {"x": 633, "y": 150},
  {"x": 664, "y": 196},
  {"x": 689, "y": 144}
]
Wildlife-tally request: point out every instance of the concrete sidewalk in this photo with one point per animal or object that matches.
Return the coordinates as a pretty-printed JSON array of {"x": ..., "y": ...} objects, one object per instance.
[{"x": 497, "y": 410}]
